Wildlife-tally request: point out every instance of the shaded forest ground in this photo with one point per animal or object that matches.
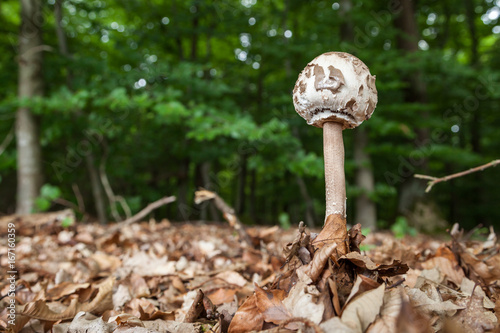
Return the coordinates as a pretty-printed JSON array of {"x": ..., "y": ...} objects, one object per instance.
[{"x": 159, "y": 276}]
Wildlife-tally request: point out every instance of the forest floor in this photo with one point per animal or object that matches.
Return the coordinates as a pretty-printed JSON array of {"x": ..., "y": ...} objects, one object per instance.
[{"x": 159, "y": 276}]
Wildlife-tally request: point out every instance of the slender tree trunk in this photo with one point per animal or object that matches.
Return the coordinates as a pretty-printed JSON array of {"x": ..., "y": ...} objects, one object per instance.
[
  {"x": 95, "y": 183},
  {"x": 412, "y": 190},
  {"x": 475, "y": 128},
  {"x": 205, "y": 175},
  {"x": 29, "y": 162},
  {"x": 310, "y": 215},
  {"x": 185, "y": 211},
  {"x": 97, "y": 190},
  {"x": 253, "y": 196},
  {"x": 366, "y": 210},
  {"x": 242, "y": 183}
]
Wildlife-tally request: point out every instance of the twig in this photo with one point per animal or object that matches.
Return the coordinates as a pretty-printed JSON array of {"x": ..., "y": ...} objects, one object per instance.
[
  {"x": 152, "y": 206},
  {"x": 435, "y": 180},
  {"x": 68, "y": 204},
  {"x": 6, "y": 142},
  {"x": 79, "y": 198},
  {"x": 227, "y": 211},
  {"x": 113, "y": 199}
]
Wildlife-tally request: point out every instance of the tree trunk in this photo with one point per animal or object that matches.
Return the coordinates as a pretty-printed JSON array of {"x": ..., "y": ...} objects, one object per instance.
[
  {"x": 242, "y": 180},
  {"x": 366, "y": 210},
  {"x": 97, "y": 190},
  {"x": 185, "y": 211},
  {"x": 205, "y": 175},
  {"x": 412, "y": 190},
  {"x": 253, "y": 196},
  {"x": 310, "y": 215},
  {"x": 95, "y": 183},
  {"x": 29, "y": 162}
]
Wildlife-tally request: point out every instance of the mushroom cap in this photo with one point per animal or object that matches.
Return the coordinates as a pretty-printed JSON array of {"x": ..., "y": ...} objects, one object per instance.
[{"x": 335, "y": 86}]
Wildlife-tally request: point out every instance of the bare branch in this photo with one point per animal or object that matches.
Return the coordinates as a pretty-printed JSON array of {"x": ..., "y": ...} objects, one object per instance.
[
  {"x": 148, "y": 209},
  {"x": 6, "y": 142},
  {"x": 435, "y": 180}
]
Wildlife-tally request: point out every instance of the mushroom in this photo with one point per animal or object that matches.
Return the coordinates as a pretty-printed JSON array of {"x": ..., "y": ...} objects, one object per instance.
[{"x": 334, "y": 92}]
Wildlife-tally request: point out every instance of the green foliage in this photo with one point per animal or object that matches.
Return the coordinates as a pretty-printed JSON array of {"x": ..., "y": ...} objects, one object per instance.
[
  {"x": 48, "y": 193},
  {"x": 67, "y": 222},
  {"x": 284, "y": 220},
  {"x": 400, "y": 228}
]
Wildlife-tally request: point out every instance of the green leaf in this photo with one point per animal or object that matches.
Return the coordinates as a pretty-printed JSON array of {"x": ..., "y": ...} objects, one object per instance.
[{"x": 42, "y": 204}]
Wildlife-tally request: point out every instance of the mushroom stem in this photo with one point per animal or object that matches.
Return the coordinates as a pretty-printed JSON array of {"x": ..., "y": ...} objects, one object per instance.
[{"x": 333, "y": 149}]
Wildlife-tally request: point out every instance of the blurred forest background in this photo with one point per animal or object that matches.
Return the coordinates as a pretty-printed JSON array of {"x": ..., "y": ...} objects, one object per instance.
[{"x": 119, "y": 103}]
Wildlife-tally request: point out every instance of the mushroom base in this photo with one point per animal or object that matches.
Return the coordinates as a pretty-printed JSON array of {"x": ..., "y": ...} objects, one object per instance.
[{"x": 334, "y": 231}]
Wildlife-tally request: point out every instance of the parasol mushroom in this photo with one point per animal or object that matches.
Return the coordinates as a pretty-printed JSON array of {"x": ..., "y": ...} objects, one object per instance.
[{"x": 334, "y": 92}]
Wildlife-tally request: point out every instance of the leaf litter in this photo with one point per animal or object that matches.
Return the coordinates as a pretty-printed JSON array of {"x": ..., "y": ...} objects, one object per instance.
[{"x": 212, "y": 277}]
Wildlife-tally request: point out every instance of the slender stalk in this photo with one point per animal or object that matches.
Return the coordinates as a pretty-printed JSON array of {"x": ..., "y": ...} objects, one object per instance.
[{"x": 333, "y": 149}]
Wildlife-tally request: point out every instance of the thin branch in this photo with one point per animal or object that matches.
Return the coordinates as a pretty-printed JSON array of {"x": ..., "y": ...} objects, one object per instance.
[
  {"x": 148, "y": 209},
  {"x": 227, "y": 211},
  {"x": 79, "y": 198},
  {"x": 6, "y": 142},
  {"x": 435, "y": 180},
  {"x": 68, "y": 204},
  {"x": 113, "y": 199}
]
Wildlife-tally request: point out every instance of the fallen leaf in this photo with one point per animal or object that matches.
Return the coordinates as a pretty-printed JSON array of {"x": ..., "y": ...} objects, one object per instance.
[
  {"x": 270, "y": 305},
  {"x": 451, "y": 271},
  {"x": 364, "y": 262},
  {"x": 247, "y": 318},
  {"x": 302, "y": 300},
  {"x": 101, "y": 302},
  {"x": 125, "y": 319},
  {"x": 334, "y": 231},
  {"x": 84, "y": 322},
  {"x": 64, "y": 289},
  {"x": 362, "y": 310}
]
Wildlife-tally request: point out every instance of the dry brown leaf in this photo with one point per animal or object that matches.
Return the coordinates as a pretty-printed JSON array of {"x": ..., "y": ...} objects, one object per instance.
[
  {"x": 391, "y": 308},
  {"x": 362, "y": 310},
  {"x": 355, "y": 238},
  {"x": 430, "y": 305},
  {"x": 361, "y": 285},
  {"x": 303, "y": 300},
  {"x": 363, "y": 262},
  {"x": 232, "y": 277},
  {"x": 64, "y": 289},
  {"x": 317, "y": 265},
  {"x": 412, "y": 321},
  {"x": 475, "y": 318},
  {"x": 222, "y": 295},
  {"x": 334, "y": 231},
  {"x": 139, "y": 287},
  {"x": 125, "y": 319},
  {"x": 338, "y": 326},
  {"x": 121, "y": 296},
  {"x": 467, "y": 287},
  {"x": 172, "y": 326},
  {"x": 101, "y": 302},
  {"x": 270, "y": 305},
  {"x": 452, "y": 271},
  {"x": 85, "y": 322},
  {"x": 148, "y": 265},
  {"x": 248, "y": 317}
]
